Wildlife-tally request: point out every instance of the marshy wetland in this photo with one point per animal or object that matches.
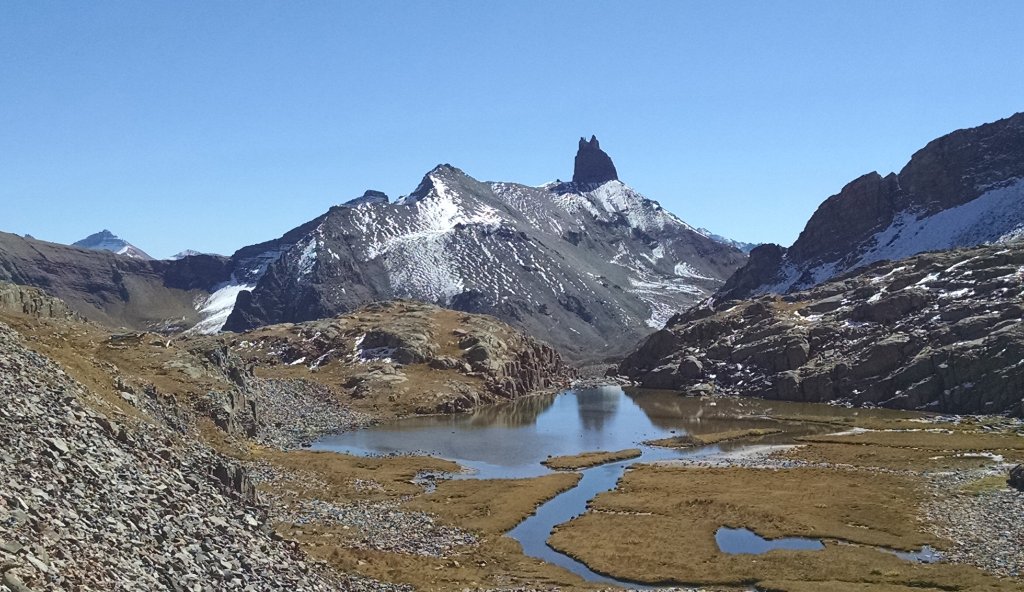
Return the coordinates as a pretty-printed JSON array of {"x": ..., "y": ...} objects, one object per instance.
[{"x": 604, "y": 487}]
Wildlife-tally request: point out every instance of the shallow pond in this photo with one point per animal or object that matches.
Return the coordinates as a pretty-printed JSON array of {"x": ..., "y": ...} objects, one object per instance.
[
  {"x": 744, "y": 541},
  {"x": 511, "y": 440}
]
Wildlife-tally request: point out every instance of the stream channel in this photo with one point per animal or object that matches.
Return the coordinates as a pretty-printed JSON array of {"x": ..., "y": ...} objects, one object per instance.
[{"x": 510, "y": 440}]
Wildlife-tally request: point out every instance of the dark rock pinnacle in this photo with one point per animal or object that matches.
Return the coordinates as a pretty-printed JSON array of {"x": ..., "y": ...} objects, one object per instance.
[{"x": 593, "y": 165}]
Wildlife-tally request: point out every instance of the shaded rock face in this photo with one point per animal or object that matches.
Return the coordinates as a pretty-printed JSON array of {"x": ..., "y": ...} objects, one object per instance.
[
  {"x": 593, "y": 165},
  {"x": 1016, "y": 479},
  {"x": 939, "y": 331},
  {"x": 961, "y": 190}
]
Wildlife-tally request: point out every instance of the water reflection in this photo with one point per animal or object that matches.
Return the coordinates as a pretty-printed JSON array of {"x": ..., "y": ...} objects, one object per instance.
[
  {"x": 744, "y": 541},
  {"x": 521, "y": 412},
  {"x": 511, "y": 440},
  {"x": 598, "y": 407}
]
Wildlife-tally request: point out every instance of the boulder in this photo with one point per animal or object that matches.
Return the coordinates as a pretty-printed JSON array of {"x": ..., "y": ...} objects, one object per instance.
[
  {"x": 690, "y": 368},
  {"x": 1016, "y": 478}
]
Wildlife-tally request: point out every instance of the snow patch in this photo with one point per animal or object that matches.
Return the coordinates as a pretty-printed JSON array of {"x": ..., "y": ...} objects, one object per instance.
[
  {"x": 216, "y": 308},
  {"x": 996, "y": 216},
  {"x": 684, "y": 269}
]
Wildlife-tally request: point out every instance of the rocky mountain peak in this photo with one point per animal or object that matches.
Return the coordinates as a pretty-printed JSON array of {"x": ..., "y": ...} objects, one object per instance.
[
  {"x": 442, "y": 175},
  {"x": 370, "y": 196},
  {"x": 105, "y": 240},
  {"x": 593, "y": 165}
]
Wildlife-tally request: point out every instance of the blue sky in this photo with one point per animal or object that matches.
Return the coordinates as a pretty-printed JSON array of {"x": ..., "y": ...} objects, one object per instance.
[{"x": 212, "y": 125}]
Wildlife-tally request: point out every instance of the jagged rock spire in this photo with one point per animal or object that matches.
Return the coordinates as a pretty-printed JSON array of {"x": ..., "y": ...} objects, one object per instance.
[{"x": 593, "y": 165}]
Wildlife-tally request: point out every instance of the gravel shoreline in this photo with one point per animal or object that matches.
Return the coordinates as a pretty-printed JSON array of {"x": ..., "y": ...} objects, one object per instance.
[{"x": 987, "y": 528}]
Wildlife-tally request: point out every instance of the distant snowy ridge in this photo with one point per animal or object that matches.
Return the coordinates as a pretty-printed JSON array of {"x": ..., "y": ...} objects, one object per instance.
[
  {"x": 745, "y": 247},
  {"x": 187, "y": 253},
  {"x": 963, "y": 189},
  {"x": 994, "y": 217},
  {"x": 108, "y": 241}
]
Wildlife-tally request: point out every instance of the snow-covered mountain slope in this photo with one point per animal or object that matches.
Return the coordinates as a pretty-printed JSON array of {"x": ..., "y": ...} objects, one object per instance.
[
  {"x": 108, "y": 241},
  {"x": 590, "y": 267},
  {"x": 963, "y": 189}
]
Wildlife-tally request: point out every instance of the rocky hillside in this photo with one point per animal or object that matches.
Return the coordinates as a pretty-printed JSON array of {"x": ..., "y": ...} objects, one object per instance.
[
  {"x": 33, "y": 302},
  {"x": 963, "y": 189},
  {"x": 104, "y": 500},
  {"x": 111, "y": 289},
  {"x": 128, "y": 459},
  {"x": 588, "y": 266},
  {"x": 939, "y": 331},
  {"x": 405, "y": 356}
]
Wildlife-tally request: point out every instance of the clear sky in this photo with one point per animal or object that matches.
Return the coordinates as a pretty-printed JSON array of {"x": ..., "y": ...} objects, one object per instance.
[{"x": 212, "y": 125}]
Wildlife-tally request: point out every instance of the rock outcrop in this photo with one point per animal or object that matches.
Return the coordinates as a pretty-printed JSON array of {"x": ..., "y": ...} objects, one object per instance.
[
  {"x": 417, "y": 357},
  {"x": 939, "y": 331},
  {"x": 593, "y": 165},
  {"x": 370, "y": 196},
  {"x": 1016, "y": 478},
  {"x": 961, "y": 190},
  {"x": 33, "y": 302}
]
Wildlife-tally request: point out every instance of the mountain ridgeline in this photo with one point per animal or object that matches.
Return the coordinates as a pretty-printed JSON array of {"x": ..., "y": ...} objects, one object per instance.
[{"x": 590, "y": 266}]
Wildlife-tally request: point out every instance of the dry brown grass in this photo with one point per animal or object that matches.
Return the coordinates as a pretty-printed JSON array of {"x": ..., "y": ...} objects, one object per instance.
[
  {"x": 330, "y": 476},
  {"x": 487, "y": 507},
  {"x": 491, "y": 506},
  {"x": 832, "y": 586},
  {"x": 885, "y": 457},
  {"x": 497, "y": 562},
  {"x": 659, "y": 526},
  {"x": 960, "y": 440}
]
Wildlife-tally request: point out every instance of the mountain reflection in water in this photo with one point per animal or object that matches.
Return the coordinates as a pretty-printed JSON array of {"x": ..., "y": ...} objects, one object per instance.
[{"x": 511, "y": 439}]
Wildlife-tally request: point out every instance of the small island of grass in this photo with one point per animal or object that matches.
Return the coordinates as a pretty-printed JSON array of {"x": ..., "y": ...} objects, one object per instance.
[
  {"x": 694, "y": 440},
  {"x": 586, "y": 460}
]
